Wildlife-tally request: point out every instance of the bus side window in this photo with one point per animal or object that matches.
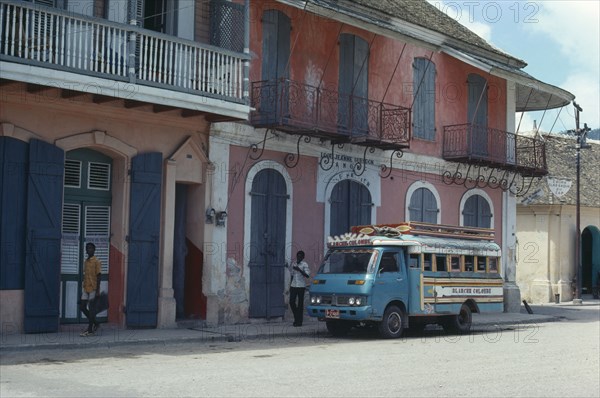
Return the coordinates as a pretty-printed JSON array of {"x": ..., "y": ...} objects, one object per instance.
[
  {"x": 413, "y": 261},
  {"x": 481, "y": 263},
  {"x": 388, "y": 262},
  {"x": 469, "y": 263},
  {"x": 455, "y": 264},
  {"x": 440, "y": 263},
  {"x": 427, "y": 262},
  {"x": 493, "y": 264}
]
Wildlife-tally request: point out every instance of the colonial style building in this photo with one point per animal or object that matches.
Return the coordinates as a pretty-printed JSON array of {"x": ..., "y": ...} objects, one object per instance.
[
  {"x": 547, "y": 225},
  {"x": 200, "y": 143}
]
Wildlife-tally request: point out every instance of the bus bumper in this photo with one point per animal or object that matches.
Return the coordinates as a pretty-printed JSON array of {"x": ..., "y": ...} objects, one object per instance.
[{"x": 344, "y": 313}]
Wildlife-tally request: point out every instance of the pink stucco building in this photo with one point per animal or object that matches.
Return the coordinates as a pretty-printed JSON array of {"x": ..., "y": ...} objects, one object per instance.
[{"x": 200, "y": 144}]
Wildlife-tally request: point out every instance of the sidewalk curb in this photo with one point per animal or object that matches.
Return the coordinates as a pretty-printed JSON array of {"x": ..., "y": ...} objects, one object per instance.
[{"x": 112, "y": 338}]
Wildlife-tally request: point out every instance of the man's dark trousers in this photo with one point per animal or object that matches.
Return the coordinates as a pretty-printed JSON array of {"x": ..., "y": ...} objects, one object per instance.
[{"x": 297, "y": 304}]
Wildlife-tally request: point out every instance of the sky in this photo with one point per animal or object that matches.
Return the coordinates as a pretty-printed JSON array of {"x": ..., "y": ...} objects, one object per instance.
[{"x": 559, "y": 41}]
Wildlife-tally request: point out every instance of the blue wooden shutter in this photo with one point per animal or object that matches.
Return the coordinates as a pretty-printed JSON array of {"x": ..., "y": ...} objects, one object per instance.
[
  {"x": 353, "y": 85},
  {"x": 267, "y": 248},
  {"x": 144, "y": 234},
  {"x": 42, "y": 259},
  {"x": 477, "y": 115},
  {"x": 13, "y": 200},
  {"x": 276, "y": 227},
  {"x": 423, "y": 206},
  {"x": 430, "y": 206},
  {"x": 269, "y": 47},
  {"x": 276, "y": 52},
  {"x": 359, "y": 208},
  {"x": 345, "y": 83},
  {"x": 424, "y": 102},
  {"x": 360, "y": 105},
  {"x": 283, "y": 59},
  {"x": 476, "y": 212},
  {"x": 350, "y": 205},
  {"x": 258, "y": 246},
  {"x": 415, "y": 207}
]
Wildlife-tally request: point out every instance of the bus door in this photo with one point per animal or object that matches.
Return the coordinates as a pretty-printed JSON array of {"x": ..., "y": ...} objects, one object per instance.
[{"x": 391, "y": 281}]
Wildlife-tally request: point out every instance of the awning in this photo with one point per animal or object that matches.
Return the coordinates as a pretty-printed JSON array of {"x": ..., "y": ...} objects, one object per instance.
[{"x": 531, "y": 95}]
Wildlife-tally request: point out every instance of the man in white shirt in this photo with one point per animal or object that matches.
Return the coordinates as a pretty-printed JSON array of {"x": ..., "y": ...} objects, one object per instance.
[{"x": 300, "y": 277}]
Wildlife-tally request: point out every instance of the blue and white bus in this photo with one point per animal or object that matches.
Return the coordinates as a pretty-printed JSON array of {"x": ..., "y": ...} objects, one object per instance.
[{"x": 407, "y": 275}]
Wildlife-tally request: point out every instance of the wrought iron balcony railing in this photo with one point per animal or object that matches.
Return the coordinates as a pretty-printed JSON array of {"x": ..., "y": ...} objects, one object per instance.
[
  {"x": 472, "y": 144},
  {"x": 299, "y": 108},
  {"x": 48, "y": 37}
]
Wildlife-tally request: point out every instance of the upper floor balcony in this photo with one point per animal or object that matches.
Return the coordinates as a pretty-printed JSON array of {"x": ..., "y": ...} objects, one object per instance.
[
  {"x": 299, "y": 108},
  {"x": 485, "y": 146},
  {"x": 43, "y": 45}
]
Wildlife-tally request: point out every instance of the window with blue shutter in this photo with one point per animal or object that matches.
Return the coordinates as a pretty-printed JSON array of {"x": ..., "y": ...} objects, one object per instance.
[
  {"x": 423, "y": 206},
  {"x": 424, "y": 99},
  {"x": 477, "y": 213},
  {"x": 350, "y": 205}
]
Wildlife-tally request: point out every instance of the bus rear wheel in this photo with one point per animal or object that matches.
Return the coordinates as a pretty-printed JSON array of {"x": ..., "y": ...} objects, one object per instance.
[
  {"x": 460, "y": 323},
  {"x": 392, "y": 324}
]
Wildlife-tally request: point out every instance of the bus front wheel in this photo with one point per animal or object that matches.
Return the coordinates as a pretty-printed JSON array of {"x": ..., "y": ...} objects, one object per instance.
[
  {"x": 461, "y": 323},
  {"x": 392, "y": 324}
]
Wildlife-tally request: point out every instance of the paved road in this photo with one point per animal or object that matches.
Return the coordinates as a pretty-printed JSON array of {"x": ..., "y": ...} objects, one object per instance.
[{"x": 550, "y": 359}]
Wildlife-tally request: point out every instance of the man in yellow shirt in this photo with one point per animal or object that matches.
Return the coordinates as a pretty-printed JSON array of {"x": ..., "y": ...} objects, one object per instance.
[{"x": 92, "y": 271}]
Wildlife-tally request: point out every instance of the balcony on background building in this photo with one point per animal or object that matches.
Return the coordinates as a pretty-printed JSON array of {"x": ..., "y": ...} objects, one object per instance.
[
  {"x": 489, "y": 147},
  {"x": 62, "y": 42},
  {"x": 298, "y": 108}
]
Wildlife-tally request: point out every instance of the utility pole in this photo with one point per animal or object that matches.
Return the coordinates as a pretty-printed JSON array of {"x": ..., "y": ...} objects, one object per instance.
[{"x": 581, "y": 134}]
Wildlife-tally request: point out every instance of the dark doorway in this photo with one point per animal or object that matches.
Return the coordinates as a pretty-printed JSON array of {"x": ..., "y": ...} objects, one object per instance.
[
  {"x": 590, "y": 261},
  {"x": 187, "y": 263}
]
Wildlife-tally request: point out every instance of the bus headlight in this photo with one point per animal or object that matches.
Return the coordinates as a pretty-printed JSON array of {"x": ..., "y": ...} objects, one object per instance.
[{"x": 357, "y": 301}]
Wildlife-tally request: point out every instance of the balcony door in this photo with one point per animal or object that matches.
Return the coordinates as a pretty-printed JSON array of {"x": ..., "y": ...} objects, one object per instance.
[
  {"x": 477, "y": 115},
  {"x": 353, "y": 108},
  {"x": 172, "y": 17},
  {"x": 275, "y": 69}
]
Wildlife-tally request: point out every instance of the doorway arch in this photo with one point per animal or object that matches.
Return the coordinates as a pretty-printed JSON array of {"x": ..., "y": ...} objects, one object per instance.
[{"x": 590, "y": 260}]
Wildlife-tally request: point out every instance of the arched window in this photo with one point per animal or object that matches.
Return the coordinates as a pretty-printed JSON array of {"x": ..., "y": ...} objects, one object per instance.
[
  {"x": 424, "y": 97},
  {"x": 423, "y": 206},
  {"x": 350, "y": 205},
  {"x": 476, "y": 212}
]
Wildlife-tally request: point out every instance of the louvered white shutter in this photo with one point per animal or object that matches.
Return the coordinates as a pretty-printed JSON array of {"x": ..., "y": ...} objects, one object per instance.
[
  {"x": 69, "y": 262},
  {"x": 97, "y": 231}
]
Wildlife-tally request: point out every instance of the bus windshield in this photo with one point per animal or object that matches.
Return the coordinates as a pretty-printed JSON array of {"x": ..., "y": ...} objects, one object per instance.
[{"x": 348, "y": 261}]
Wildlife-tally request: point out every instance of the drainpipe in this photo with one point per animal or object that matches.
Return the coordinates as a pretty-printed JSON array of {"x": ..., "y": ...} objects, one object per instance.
[
  {"x": 131, "y": 46},
  {"x": 246, "y": 68}
]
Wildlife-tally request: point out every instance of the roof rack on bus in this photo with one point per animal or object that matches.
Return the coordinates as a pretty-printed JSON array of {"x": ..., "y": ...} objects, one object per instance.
[{"x": 422, "y": 228}]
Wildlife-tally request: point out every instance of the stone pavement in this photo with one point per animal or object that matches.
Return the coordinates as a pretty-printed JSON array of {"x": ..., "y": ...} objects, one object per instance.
[{"x": 111, "y": 336}]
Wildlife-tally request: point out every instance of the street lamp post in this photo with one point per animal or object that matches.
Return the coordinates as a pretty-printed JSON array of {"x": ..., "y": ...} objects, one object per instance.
[{"x": 580, "y": 133}]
